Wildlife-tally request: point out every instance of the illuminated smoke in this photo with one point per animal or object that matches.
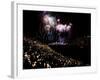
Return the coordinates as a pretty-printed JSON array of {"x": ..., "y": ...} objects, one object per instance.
[
  {"x": 49, "y": 21},
  {"x": 52, "y": 24},
  {"x": 61, "y": 27},
  {"x": 46, "y": 19}
]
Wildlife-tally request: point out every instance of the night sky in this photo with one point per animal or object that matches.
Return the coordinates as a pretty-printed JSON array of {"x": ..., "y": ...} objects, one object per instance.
[{"x": 81, "y": 22}]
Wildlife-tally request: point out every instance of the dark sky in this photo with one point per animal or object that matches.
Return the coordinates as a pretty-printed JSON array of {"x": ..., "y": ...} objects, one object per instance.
[{"x": 81, "y": 22}]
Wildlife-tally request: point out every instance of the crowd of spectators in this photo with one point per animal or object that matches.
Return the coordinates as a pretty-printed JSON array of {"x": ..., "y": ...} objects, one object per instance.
[{"x": 38, "y": 55}]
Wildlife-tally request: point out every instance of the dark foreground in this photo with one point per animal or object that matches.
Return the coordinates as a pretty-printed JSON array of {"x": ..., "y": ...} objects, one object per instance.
[{"x": 37, "y": 55}]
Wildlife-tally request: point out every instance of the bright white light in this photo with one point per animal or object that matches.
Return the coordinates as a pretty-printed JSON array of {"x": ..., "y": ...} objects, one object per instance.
[
  {"x": 52, "y": 21},
  {"x": 68, "y": 28},
  {"x": 49, "y": 20},
  {"x": 58, "y": 20},
  {"x": 61, "y": 27}
]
